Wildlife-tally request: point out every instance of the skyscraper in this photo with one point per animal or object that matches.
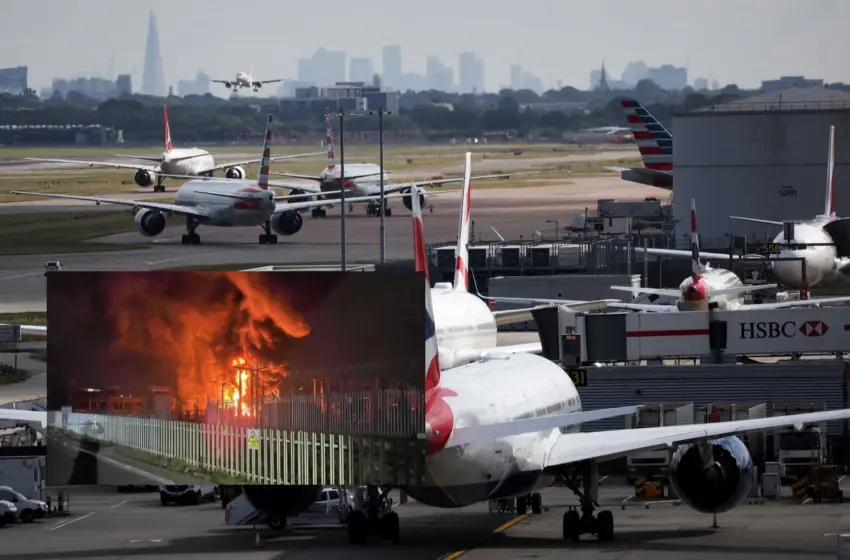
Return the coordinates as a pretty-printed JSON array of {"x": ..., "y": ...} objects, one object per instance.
[
  {"x": 153, "y": 78},
  {"x": 392, "y": 65},
  {"x": 360, "y": 70},
  {"x": 471, "y": 70}
]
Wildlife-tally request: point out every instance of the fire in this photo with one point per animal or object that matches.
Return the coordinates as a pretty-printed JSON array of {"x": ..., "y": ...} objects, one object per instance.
[{"x": 224, "y": 335}]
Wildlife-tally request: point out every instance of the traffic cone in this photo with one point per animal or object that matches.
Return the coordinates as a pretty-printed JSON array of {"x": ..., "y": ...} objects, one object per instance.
[{"x": 257, "y": 542}]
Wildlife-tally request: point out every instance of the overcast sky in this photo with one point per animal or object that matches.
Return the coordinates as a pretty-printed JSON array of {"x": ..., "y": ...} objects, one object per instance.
[{"x": 733, "y": 41}]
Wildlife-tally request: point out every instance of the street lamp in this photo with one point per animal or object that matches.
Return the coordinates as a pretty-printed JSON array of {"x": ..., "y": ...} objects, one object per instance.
[
  {"x": 381, "y": 112},
  {"x": 342, "y": 116},
  {"x": 557, "y": 229}
]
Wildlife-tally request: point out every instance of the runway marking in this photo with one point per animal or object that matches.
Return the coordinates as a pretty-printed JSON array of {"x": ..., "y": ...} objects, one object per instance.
[
  {"x": 186, "y": 257},
  {"x": 20, "y": 276},
  {"x": 71, "y": 521},
  {"x": 500, "y": 529},
  {"x": 135, "y": 541},
  {"x": 118, "y": 504}
]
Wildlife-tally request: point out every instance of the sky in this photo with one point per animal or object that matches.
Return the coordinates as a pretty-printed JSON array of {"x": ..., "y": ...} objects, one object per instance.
[{"x": 732, "y": 41}]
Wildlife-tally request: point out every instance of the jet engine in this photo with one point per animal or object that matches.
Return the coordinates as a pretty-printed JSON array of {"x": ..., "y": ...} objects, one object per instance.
[
  {"x": 281, "y": 501},
  {"x": 228, "y": 85},
  {"x": 288, "y": 222},
  {"x": 144, "y": 178},
  {"x": 408, "y": 202},
  {"x": 235, "y": 173},
  {"x": 714, "y": 476},
  {"x": 149, "y": 222}
]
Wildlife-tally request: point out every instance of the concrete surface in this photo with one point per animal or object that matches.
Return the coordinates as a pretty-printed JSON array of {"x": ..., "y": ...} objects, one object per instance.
[{"x": 113, "y": 526}]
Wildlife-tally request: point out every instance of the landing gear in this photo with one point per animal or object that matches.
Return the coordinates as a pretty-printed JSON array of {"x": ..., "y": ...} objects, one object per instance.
[
  {"x": 575, "y": 525},
  {"x": 535, "y": 501},
  {"x": 191, "y": 238},
  {"x": 375, "y": 517},
  {"x": 159, "y": 187},
  {"x": 375, "y": 210},
  {"x": 319, "y": 213},
  {"x": 268, "y": 238}
]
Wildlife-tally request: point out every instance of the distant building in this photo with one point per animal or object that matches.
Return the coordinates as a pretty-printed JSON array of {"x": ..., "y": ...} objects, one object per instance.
[
  {"x": 124, "y": 85},
  {"x": 323, "y": 68},
  {"x": 701, "y": 84},
  {"x": 635, "y": 71},
  {"x": 440, "y": 77},
  {"x": 516, "y": 77},
  {"x": 153, "y": 78},
  {"x": 360, "y": 69},
  {"x": 13, "y": 80},
  {"x": 391, "y": 61},
  {"x": 669, "y": 77},
  {"x": 471, "y": 73},
  {"x": 361, "y": 96},
  {"x": 787, "y": 82},
  {"x": 199, "y": 86}
]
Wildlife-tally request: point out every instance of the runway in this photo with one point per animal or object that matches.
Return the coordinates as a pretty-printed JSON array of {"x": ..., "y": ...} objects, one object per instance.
[{"x": 515, "y": 213}]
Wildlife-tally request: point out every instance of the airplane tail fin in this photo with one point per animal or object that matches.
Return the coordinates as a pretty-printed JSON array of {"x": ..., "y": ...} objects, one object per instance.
[
  {"x": 432, "y": 359},
  {"x": 168, "y": 145},
  {"x": 829, "y": 209},
  {"x": 696, "y": 268},
  {"x": 653, "y": 141},
  {"x": 329, "y": 140},
  {"x": 462, "y": 257},
  {"x": 263, "y": 179}
]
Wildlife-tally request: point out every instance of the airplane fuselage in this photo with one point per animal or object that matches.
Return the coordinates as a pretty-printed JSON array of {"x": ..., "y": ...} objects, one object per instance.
[
  {"x": 462, "y": 320},
  {"x": 814, "y": 245},
  {"x": 495, "y": 391},
  {"x": 186, "y": 161},
  {"x": 362, "y": 186},
  {"x": 714, "y": 279},
  {"x": 228, "y": 212}
]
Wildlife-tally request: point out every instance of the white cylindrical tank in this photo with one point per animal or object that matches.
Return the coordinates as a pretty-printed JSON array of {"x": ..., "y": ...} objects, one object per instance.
[{"x": 760, "y": 161}]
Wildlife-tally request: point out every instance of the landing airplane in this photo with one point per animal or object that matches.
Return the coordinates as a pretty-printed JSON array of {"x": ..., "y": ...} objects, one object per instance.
[
  {"x": 655, "y": 145},
  {"x": 221, "y": 203},
  {"x": 174, "y": 163},
  {"x": 504, "y": 427},
  {"x": 363, "y": 179},
  {"x": 244, "y": 81},
  {"x": 824, "y": 243}
]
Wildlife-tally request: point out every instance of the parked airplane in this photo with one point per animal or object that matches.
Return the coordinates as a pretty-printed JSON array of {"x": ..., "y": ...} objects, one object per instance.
[
  {"x": 174, "y": 163},
  {"x": 823, "y": 243},
  {"x": 222, "y": 203},
  {"x": 362, "y": 179},
  {"x": 655, "y": 145},
  {"x": 503, "y": 428},
  {"x": 244, "y": 81}
]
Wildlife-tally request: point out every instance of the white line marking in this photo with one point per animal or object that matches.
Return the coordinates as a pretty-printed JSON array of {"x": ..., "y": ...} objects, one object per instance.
[
  {"x": 71, "y": 521},
  {"x": 20, "y": 276},
  {"x": 118, "y": 504}
]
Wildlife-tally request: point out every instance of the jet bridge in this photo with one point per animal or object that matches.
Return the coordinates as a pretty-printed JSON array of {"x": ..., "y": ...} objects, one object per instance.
[{"x": 577, "y": 338}]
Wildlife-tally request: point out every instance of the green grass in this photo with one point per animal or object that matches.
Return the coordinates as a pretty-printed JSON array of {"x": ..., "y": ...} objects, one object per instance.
[
  {"x": 38, "y": 318},
  {"x": 62, "y": 232},
  {"x": 178, "y": 466},
  {"x": 9, "y": 375}
]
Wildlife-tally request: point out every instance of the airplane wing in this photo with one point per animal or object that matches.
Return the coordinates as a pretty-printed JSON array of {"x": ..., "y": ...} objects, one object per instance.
[
  {"x": 687, "y": 254},
  {"x": 757, "y": 221},
  {"x": 653, "y": 308},
  {"x": 309, "y": 189},
  {"x": 220, "y": 166},
  {"x": 572, "y": 448},
  {"x": 152, "y": 168},
  {"x": 317, "y": 178},
  {"x": 511, "y": 316},
  {"x": 14, "y": 416},
  {"x": 317, "y": 203},
  {"x": 467, "y": 355},
  {"x": 795, "y": 303},
  {"x": 195, "y": 211},
  {"x": 438, "y": 182},
  {"x": 222, "y": 81},
  {"x": 261, "y": 82},
  {"x": 644, "y": 176}
]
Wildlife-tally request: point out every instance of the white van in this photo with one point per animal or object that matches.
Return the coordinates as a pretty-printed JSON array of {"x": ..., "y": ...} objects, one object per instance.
[
  {"x": 8, "y": 512},
  {"x": 28, "y": 510}
]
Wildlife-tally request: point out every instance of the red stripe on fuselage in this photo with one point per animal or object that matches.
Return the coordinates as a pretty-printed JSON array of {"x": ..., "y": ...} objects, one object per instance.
[{"x": 685, "y": 332}]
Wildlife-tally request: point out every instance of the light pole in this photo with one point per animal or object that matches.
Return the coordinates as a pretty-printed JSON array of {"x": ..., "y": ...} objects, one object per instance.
[
  {"x": 381, "y": 112},
  {"x": 557, "y": 229}
]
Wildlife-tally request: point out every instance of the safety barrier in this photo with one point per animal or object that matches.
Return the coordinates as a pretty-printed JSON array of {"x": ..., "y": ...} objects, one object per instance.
[{"x": 255, "y": 455}]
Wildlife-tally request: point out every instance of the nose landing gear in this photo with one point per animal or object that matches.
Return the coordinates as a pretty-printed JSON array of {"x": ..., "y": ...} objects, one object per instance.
[
  {"x": 575, "y": 525},
  {"x": 191, "y": 238},
  {"x": 268, "y": 237}
]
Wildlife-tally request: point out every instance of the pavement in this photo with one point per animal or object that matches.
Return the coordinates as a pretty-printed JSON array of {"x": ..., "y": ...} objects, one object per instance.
[
  {"x": 71, "y": 462},
  {"x": 35, "y": 385},
  {"x": 120, "y": 526},
  {"x": 515, "y": 213}
]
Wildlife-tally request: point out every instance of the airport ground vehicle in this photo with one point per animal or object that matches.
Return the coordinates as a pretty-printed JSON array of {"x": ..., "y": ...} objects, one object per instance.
[
  {"x": 8, "y": 512},
  {"x": 186, "y": 493},
  {"x": 28, "y": 510},
  {"x": 52, "y": 266}
]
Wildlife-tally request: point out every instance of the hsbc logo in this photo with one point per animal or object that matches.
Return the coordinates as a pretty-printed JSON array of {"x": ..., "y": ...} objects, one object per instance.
[{"x": 786, "y": 329}]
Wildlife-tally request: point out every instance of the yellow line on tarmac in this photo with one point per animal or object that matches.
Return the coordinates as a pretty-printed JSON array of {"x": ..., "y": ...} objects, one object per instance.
[{"x": 500, "y": 529}]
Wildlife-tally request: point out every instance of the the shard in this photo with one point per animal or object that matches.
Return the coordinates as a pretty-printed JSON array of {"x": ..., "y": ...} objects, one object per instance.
[{"x": 153, "y": 79}]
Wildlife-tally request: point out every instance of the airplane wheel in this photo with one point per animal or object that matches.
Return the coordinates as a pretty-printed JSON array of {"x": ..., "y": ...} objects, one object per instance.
[
  {"x": 605, "y": 526},
  {"x": 390, "y": 527},
  {"x": 357, "y": 527},
  {"x": 389, "y": 212},
  {"x": 572, "y": 526},
  {"x": 191, "y": 239},
  {"x": 322, "y": 213},
  {"x": 536, "y": 504},
  {"x": 272, "y": 239},
  {"x": 521, "y": 505},
  {"x": 159, "y": 188}
]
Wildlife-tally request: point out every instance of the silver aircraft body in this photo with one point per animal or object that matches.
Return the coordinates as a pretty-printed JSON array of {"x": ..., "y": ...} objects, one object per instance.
[{"x": 245, "y": 80}]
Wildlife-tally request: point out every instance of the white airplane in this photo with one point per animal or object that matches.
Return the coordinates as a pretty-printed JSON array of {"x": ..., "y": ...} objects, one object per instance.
[
  {"x": 221, "y": 202},
  {"x": 362, "y": 179},
  {"x": 244, "y": 81},
  {"x": 504, "y": 427},
  {"x": 812, "y": 240},
  {"x": 176, "y": 163}
]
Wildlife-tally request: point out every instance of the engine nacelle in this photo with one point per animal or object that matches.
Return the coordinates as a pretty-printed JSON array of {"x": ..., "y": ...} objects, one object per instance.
[
  {"x": 144, "y": 178},
  {"x": 714, "y": 476},
  {"x": 235, "y": 172},
  {"x": 288, "y": 222},
  {"x": 150, "y": 223},
  {"x": 228, "y": 85},
  {"x": 408, "y": 202},
  {"x": 282, "y": 501}
]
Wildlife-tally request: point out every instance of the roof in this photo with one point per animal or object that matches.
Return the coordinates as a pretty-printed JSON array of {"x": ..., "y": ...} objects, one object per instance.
[
  {"x": 792, "y": 99},
  {"x": 798, "y": 95}
]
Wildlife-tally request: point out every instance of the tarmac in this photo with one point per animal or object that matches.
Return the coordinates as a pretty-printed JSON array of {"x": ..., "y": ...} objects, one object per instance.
[{"x": 110, "y": 526}]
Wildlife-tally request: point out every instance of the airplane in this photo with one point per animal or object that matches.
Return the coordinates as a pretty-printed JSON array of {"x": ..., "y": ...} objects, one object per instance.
[
  {"x": 221, "y": 203},
  {"x": 363, "y": 179},
  {"x": 816, "y": 241},
  {"x": 655, "y": 145},
  {"x": 244, "y": 81},
  {"x": 12, "y": 416},
  {"x": 505, "y": 427},
  {"x": 174, "y": 163}
]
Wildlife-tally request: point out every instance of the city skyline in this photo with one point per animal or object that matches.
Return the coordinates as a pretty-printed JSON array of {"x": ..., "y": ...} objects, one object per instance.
[{"x": 744, "y": 54}]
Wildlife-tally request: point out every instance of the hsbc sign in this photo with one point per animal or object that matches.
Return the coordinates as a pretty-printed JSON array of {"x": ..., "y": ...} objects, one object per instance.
[{"x": 782, "y": 329}]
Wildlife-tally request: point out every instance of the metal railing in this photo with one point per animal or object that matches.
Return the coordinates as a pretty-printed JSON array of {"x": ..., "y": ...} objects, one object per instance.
[{"x": 766, "y": 107}]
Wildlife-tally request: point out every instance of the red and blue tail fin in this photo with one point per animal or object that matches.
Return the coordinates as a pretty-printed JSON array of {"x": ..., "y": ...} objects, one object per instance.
[
  {"x": 168, "y": 145},
  {"x": 329, "y": 140},
  {"x": 263, "y": 179},
  {"x": 462, "y": 258},
  {"x": 432, "y": 360},
  {"x": 829, "y": 209},
  {"x": 696, "y": 268},
  {"x": 653, "y": 141}
]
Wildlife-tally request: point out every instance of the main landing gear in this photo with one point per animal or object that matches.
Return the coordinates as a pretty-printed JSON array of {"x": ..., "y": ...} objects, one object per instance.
[
  {"x": 575, "y": 525},
  {"x": 191, "y": 238},
  {"x": 376, "y": 517},
  {"x": 375, "y": 210},
  {"x": 159, "y": 187},
  {"x": 534, "y": 501},
  {"x": 268, "y": 237},
  {"x": 319, "y": 213}
]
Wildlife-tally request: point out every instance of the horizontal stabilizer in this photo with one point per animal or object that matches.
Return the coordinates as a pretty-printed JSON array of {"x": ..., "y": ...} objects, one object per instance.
[
  {"x": 481, "y": 434},
  {"x": 757, "y": 220},
  {"x": 230, "y": 195},
  {"x": 741, "y": 290},
  {"x": 157, "y": 159},
  {"x": 652, "y": 308},
  {"x": 657, "y": 291},
  {"x": 703, "y": 255}
]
